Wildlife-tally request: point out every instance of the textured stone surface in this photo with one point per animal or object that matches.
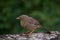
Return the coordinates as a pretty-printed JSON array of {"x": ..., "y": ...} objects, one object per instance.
[{"x": 55, "y": 35}]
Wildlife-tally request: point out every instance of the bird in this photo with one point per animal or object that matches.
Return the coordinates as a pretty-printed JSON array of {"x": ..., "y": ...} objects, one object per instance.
[{"x": 29, "y": 23}]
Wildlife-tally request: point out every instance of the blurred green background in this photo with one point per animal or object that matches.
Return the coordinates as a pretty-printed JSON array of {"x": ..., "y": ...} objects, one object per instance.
[{"x": 47, "y": 12}]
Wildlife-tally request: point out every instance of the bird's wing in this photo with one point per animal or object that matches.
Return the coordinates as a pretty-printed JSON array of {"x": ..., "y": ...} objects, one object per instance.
[{"x": 34, "y": 21}]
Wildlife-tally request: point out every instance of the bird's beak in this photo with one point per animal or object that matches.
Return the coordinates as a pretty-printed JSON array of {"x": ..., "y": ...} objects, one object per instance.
[{"x": 17, "y": 18}]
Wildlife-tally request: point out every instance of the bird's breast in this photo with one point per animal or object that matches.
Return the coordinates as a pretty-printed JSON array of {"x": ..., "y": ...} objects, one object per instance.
[{"x": 23, "y": 23}]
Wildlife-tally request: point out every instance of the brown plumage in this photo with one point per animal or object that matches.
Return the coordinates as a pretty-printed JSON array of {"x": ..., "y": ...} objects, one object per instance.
[{"x": 29, "y": 23}]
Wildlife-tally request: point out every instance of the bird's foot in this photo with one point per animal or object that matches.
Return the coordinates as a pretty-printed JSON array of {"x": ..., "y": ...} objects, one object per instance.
[{"x": 27, "y": 34}]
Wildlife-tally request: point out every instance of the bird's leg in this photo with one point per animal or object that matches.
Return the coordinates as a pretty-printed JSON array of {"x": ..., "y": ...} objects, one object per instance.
[
  {"x": 31, "y": 32},
  {"x": 27, "y": 32}
]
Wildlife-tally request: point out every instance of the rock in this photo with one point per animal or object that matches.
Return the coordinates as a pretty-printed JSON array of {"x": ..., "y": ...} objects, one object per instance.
[{"x": 55, "y": 35}]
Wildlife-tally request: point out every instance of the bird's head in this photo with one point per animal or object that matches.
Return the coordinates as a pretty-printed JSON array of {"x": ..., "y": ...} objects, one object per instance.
[{"x": 22, "y": 17}]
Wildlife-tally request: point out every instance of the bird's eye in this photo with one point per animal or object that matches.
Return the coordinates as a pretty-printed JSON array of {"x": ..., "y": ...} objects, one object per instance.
[{"x": 21, "y": 17}]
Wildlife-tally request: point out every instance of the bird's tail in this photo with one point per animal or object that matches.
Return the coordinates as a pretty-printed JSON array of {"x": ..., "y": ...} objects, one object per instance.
[{"x": 46, "y": 30}]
